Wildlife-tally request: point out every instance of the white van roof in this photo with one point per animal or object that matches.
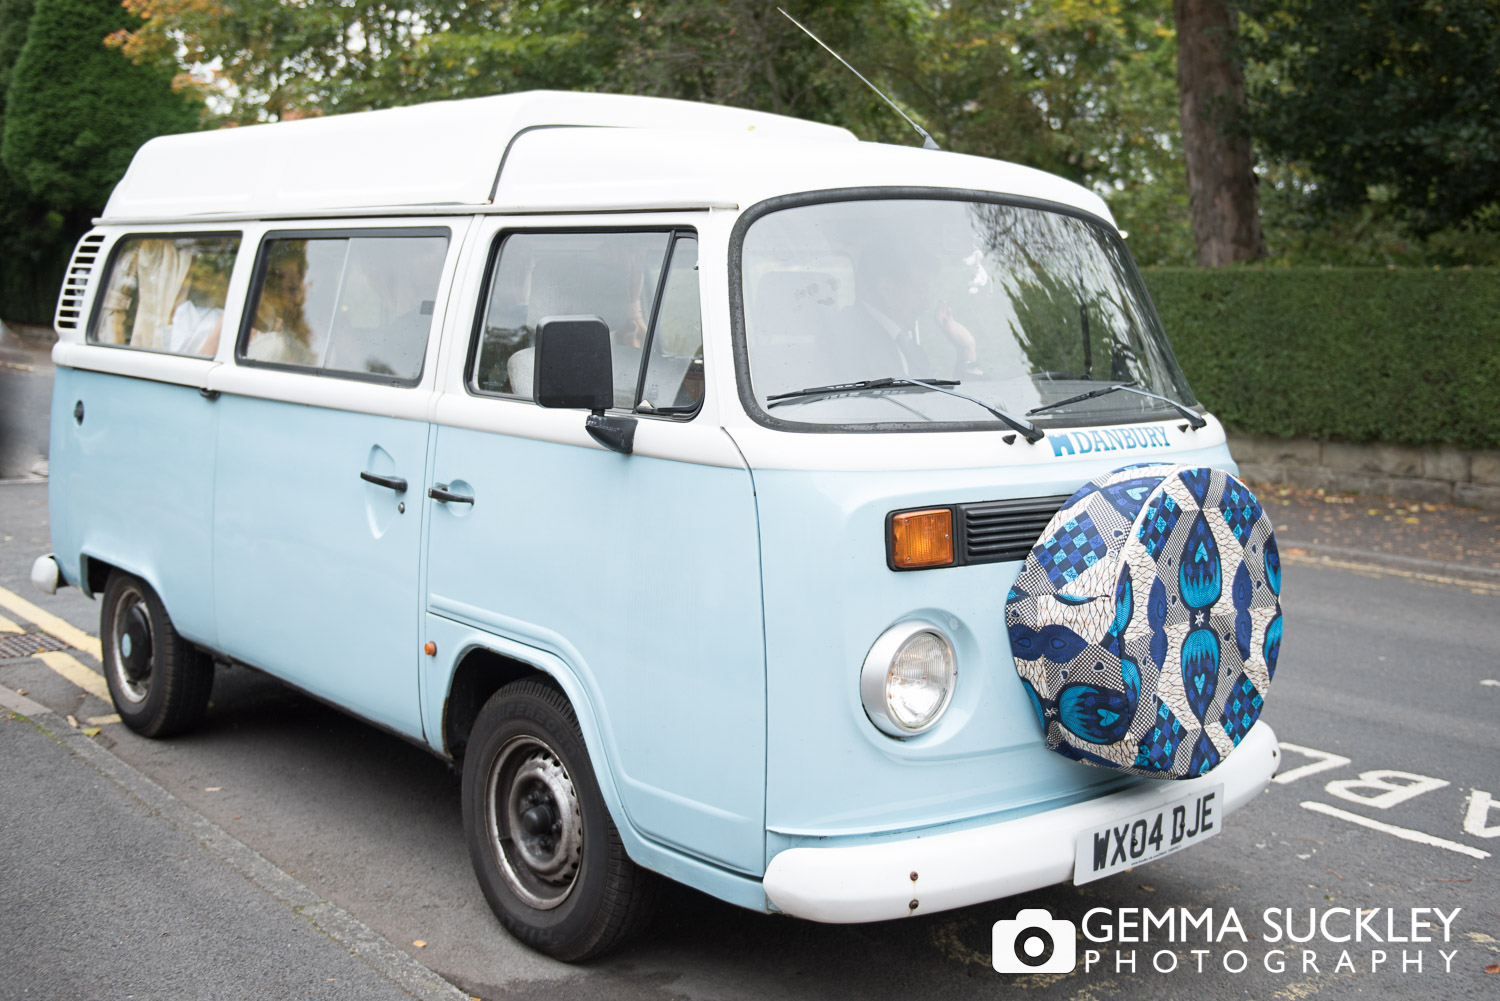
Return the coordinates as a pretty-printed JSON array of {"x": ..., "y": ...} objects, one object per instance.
[{"x": 517, "y": 153}]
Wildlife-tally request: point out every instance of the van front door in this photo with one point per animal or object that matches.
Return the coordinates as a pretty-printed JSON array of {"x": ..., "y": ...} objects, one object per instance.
[
  {"x": 322, "y": 455},
  {"x": 639, "y": 572}
]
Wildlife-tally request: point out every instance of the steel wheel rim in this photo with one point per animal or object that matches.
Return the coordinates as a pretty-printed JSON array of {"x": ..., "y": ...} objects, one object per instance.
[
  {"x": 534, "y": 821},
  {"x": 132, "y": 646}
]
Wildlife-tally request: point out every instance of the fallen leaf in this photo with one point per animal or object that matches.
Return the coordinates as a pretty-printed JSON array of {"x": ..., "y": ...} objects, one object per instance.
[
  {"x": 213, "y": 788},
  {"x": 90, "y": 731},
  {"x": 420, "y": 944},
  {"x": 1492, "y": 968},
  {"x": 20, "y": 691},
  {"x": 1410, "y": 521},
  {"x": 71, "y": 721},
  {"x": 1148, "y": 889}
]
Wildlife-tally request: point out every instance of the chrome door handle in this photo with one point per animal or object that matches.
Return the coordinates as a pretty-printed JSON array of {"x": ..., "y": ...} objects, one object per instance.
[
  {"x": 395, "y": 483},
  {"x": 440, "y": 492}
]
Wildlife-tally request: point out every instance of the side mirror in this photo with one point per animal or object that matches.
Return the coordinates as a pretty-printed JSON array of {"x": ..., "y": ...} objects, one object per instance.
[
  {"x": 572, "y": 363},
  {"x": 573, "y": 371}
]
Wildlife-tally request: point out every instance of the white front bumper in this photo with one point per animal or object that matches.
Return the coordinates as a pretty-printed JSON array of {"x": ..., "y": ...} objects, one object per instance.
[{"x": 874, "y": 882}]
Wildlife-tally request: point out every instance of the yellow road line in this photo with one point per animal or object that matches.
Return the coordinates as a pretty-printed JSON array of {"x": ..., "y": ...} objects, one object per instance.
[
  {"x": 69, "y": 667},
  {"x": 65, "y": 631},
  {"x": 7, "y": 626},
  {"x": 1478, "y": 587}
]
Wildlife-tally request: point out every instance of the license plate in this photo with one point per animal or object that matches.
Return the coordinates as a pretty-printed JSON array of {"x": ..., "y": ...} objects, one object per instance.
[{"x": 1133, "y": 840}]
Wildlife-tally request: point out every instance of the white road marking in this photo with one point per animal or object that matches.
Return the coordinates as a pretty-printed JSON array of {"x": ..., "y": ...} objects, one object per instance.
[
  {"x": 66, "y": 665},
  {"x": 1476, "y": 818},
  {"x": 40, "y": 617},
  {"x": 1409, "y": 785},
  {"x": 1405, "y": 833},
  {"x": 1491, "y": 682},
  {"x": 1326, "y": 761}
]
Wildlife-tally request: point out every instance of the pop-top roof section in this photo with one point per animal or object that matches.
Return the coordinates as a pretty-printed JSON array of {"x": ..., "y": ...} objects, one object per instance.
[{"x": 440, "y": 154}]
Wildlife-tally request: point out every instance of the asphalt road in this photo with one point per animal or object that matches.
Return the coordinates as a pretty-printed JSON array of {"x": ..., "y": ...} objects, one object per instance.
[
  {"x": 1384, "y": 669},
  {"x": 127, "y": 906}
]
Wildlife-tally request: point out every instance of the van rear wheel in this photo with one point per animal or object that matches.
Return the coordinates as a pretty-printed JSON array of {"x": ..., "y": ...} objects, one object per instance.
[
  {"x": 547, "y": 855},
  {"x": 159, "y": 682}
]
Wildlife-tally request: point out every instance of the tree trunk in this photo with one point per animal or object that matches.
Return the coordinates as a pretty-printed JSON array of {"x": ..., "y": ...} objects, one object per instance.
[{"x": 1221, "y": 181}]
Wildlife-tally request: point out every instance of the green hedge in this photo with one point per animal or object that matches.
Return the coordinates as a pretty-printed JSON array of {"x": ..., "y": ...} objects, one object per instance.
[{"x": 1346, "y": 354}]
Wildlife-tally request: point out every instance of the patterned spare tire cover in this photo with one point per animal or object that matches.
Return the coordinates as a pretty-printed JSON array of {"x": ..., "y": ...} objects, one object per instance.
[{"x": 1147, "y": 620}]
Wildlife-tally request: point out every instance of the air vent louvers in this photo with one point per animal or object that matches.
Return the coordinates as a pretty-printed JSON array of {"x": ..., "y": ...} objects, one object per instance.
[
  {"x": 76, "y": 282},
  {"x": 998, "y": 531}
]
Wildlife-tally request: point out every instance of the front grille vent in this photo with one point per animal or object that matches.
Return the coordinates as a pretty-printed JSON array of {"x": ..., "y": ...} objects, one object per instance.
[
  {"x": 997, "y": 531},
  {"x": 76, "y": 282}
]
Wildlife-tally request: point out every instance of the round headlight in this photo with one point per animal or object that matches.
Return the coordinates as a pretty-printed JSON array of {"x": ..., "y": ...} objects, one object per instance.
[{"x": 908, "y": 678}]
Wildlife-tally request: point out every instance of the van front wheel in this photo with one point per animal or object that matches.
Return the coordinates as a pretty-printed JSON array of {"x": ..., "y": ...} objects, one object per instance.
[
  {"x": 546, "y": 853},
  {"x": 159, "y": 682}
]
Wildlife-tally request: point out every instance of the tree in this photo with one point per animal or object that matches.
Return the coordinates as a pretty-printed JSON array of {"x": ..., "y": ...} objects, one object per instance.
[
  {"x": 1074, "y": 87},
  {"x": 15, "y": 20},
  {"x": 1384, "y": 102},
  {"x": 276, "y": 60},
  {"x": 30, "y": 236},
  {"x": 76, "y": 112},
  {"x": 1221, "y": 178}
]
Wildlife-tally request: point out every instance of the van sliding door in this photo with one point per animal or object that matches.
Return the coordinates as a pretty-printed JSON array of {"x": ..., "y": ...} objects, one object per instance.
[{"x": 322, "y": 454}]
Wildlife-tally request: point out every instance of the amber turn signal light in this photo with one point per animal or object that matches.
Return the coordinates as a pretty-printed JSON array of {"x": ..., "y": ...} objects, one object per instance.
[{"x": 922, "y": 538}]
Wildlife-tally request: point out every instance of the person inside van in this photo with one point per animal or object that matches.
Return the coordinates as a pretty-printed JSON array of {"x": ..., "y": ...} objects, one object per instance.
[
  {"x": 198, "y": 318},
  {"x": 882, "y": 335},
  {"x": 280, "y": 333}
]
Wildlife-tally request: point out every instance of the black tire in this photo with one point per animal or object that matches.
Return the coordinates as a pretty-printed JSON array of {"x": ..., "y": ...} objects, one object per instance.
[
  {"x": 556, "y": 875},
  {"x": 159, "y": 682}
]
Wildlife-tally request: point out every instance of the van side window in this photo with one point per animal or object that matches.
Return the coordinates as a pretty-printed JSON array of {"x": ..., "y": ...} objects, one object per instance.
[
  {"x": 345, "y": 304},
  {"x": 613, "y": 275},
  {"x": 674, "y": 375},
  {"x": 167, "y": 293}
]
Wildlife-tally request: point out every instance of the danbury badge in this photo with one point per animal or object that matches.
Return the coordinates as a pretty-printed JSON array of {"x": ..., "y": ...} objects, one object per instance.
[{"x": 1106, "y": 440}]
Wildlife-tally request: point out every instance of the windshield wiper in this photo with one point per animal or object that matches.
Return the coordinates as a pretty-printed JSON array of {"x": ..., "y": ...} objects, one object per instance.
[
  {"x": 863, "y": 384},
  {"x": 1192, "y": 417},
  {"x": 1025, "y": 428}
]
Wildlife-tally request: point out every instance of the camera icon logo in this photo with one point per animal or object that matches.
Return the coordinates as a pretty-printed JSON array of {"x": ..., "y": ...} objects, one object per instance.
[{"x": 1035, "y": 942}]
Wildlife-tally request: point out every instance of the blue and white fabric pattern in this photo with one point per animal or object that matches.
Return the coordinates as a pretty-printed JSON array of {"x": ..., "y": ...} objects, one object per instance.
[{"x": 1146, "y": 622}]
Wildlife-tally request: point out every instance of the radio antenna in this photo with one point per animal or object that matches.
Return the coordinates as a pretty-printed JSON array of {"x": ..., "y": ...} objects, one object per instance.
[{"x": 927, "y": 141}]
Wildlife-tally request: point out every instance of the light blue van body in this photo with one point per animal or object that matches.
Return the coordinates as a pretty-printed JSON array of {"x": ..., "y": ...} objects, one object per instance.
[{"x": 704, "y": 606}]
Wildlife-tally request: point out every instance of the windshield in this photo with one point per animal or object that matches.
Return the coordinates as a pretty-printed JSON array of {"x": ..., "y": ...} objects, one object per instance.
[{"x": 1025, "y": 307}]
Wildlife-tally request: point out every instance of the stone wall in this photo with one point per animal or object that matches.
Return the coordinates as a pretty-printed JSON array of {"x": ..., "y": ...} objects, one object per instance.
[{"x": 1438, "y": 475}]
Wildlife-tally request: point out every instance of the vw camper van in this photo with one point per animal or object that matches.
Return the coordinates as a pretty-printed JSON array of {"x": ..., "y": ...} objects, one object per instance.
[{"x": 674, "y": 471}]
